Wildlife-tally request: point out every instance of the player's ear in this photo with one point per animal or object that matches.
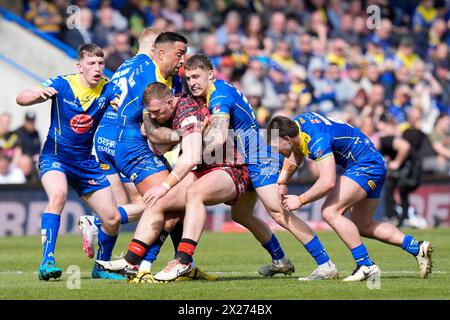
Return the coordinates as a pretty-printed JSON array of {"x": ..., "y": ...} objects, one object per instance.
[
  {"x": 79, "y": 69},
  {"x": 211, "y": 75}
]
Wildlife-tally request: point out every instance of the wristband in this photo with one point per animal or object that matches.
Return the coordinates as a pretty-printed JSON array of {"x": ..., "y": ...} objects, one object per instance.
[
  {"x": 171, "y": 181},
  {"x": 176, "y": 176}
]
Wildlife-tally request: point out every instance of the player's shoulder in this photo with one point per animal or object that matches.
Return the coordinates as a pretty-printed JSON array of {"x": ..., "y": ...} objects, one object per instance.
[
  {"x": 56, "y": 80},
  {"x": 221, "y": 91}
]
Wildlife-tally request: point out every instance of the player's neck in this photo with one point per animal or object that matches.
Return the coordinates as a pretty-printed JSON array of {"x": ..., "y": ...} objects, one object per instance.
[{"x": 85, "y": 83}]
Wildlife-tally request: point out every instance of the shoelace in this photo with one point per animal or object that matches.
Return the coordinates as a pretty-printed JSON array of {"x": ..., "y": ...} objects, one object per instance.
[{"x": 172, "y": 264}]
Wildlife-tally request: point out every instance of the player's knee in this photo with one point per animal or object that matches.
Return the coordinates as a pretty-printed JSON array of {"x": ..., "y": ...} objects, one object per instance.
[
  {"x": 193, "y": 193},
  {"x": 281, "y": 217},
  {"x": 111, "y": 221},
  {"x": 241, "y": 219},
  {"x": 58, "y": 199},
  {"x": 329, "y": 214}
]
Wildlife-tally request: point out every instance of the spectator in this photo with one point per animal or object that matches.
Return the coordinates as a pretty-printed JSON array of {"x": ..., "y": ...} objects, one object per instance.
[
  {"x": 281, "y": 62},
  {"x": 253, "y": 27},
  {"x": 304, "y": 53},
  {"x": 232, "y": 25},
  {"x": 338, "y": 53},
  {"x": 45, "y": 15},
  {"x": 170, "y": 12},
  {"x": 109, "y": 22},
  {"x": 324, "y": 96},
  {"x": 346, "y": 30},
  {"x": 254, "y": 95},
  {"x": 28, "y": 137},
  {"x": 9, "y": 141},
  {"x": 29, "y": 169},
  {"x": 119, "y": 52},
  {"x": 212, "y": 49},
  {"x": 277, "y": 27},
  {"x": 10, "y": 174},
  {"x": 255, "y": 75},
  {"x": 423, "y": 16},
  {"x": 401, "y": 104},
  {"x": 199, "y": 18},
  {"x": 290, "y": 106},
  {"x": 405, "y": 56},
  {"x": 78, "y": 36},
  {"x": 440, "y": 140}
]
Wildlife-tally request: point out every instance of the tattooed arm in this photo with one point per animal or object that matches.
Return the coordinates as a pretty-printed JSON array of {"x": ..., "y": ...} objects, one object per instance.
[
  {"x": 158, "y": 134},
  {"x": 218, "y": 131}
]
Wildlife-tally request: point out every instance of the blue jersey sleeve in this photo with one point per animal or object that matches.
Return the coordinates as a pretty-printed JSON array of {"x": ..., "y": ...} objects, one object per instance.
[
  {"x": 320, "y": 146},
  {"x": 220, "y": 105},
  {"x": 55, "y": 82}
]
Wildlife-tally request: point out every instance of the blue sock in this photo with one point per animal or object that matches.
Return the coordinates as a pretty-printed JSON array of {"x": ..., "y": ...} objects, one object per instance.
[
  {"x": 97, "y": 222},
  {"x": 155, "y": 247},
  {"x": 274, "y": 248},
  {"x": 317, "y": 251},
  {"x": 105, "y": 245},
  {"x": 123, "y": 215},
  {"x": 361, "y": 256},
  {"x": 411, "y": 245},
  {"x": 49, "y": 232}
]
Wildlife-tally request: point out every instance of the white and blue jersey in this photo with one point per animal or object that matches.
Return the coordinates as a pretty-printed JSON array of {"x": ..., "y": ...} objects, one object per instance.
[
  {"x": 321, "y": 137},
  {"x": 132, "y": 154},
  {"x": 75, "y": 115},
  {"x": 263, "y": 165}
]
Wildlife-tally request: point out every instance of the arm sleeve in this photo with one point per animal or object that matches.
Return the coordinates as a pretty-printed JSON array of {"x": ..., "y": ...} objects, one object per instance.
[{"x": 320, "y": 147}]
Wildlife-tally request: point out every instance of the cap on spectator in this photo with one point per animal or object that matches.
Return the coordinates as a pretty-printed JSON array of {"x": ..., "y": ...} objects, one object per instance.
[{"x": 30, "y": 116}]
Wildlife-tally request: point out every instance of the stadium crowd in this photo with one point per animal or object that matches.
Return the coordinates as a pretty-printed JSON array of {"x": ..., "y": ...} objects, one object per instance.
[{"x": 387, "y": 74}]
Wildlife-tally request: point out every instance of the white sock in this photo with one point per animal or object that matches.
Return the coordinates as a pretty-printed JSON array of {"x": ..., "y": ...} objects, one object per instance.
[
  {"x": 280, "y": 261},
  {"x": 145, "y": 266}
]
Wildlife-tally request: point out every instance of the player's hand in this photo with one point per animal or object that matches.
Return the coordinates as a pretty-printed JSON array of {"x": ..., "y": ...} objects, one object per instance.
[
  {"x": 282, "y": 191},
  {"x": 291, "y": 202},
  {"x": 154, "y": 194},
  {"x": 394, "y": 165},
  {"x": 46, "y": 93},
  {"x": 115, "y": 103},
  {"x": 204, "y": 126}
]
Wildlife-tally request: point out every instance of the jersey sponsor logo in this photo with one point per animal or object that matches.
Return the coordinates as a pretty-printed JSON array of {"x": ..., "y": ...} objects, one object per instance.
[
  {"x": 56, "y": 165},
  {"x": 158, "y": 162},
  {"x": 372, "y": 184},
  {"x": 92, "y": 182},
  {"x": 104, "y": 166},
  {"x": 315, "y": 121},
  {"x": 72, "y": 103},
  {"x": 133, "y": 177},
  {"x": 81, "y": 123}
]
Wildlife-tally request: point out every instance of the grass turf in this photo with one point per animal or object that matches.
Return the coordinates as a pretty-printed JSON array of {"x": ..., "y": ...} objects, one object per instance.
[{"x": 235, "y": 259}]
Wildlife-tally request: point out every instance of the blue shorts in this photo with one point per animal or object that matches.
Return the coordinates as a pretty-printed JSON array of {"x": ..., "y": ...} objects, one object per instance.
[
  {"x": 137, "y": 161},
  {"x": 105, "y": 149},
  {"x": 266, "y": 171},
  {"x": 84, "y": 176},
  {"x": 369, "y": 173}
]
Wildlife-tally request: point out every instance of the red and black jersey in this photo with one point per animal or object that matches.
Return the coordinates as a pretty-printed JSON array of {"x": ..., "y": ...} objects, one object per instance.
[{"x": 188, "y": 116}]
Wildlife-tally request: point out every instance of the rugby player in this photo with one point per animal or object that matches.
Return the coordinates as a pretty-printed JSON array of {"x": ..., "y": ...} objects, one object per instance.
[
  {"x": 330, "y": 142},
  {"x": 78, "y": 103},
  {"x": 230, "y": 109}
]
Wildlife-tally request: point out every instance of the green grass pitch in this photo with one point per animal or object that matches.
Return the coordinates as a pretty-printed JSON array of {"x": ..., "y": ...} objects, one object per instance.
[{"x": 235, "y": 259}]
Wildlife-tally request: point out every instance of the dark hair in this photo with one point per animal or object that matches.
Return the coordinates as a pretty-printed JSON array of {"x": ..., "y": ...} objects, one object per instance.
[
  {"x": 284, "y": 125},
  {"x": 171, "y": 37},
  {"x": 155, "y": 90},
  {"x": 199, "y": 61},
  {"x": 91, "y": 50}
]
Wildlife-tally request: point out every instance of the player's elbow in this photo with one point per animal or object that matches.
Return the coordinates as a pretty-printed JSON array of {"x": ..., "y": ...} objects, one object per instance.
[
  {"x": 20, "y": 100},
  {"x": 328, "y": 185}
]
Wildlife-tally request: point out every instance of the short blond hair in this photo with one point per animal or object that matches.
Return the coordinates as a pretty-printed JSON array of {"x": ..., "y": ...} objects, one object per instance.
[{"x": 148, "y": 36}]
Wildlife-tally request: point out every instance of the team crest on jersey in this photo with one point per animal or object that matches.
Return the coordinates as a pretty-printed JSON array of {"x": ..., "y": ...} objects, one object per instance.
[
  {"x": 81, "y": 123},
  {"x": 101, "y": 102},
  {"x": 216, "y": 109}
]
